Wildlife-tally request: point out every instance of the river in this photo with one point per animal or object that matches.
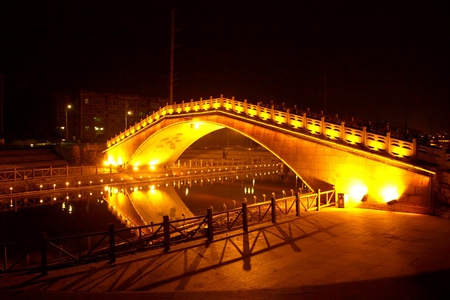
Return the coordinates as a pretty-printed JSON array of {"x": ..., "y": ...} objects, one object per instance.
[{"x": 142, "y": 203}]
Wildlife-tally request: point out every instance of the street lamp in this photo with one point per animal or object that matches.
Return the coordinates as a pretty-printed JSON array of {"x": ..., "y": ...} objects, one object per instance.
[
  {"x": 67, "y": 121},
  {"x": 127, "y": 113}
]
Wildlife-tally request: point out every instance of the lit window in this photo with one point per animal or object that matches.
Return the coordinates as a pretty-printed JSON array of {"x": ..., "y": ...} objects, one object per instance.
[{"x": 86, "y": 101}]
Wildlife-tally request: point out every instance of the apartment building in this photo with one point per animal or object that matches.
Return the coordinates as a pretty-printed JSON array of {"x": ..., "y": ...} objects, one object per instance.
[{"x": 96, "y": 117}]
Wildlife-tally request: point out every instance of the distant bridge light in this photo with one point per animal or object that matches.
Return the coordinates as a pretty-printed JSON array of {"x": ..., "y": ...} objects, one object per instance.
[{"x": 389, "y": 193}]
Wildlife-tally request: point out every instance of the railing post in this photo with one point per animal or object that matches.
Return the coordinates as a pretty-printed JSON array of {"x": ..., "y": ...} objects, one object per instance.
[
  {"x": 414, "y": 143},
  {"x": 244, "y": 217},
  {"x": 209, "y": 222},
  {"x": 388, "y": 143},
  {"x": 364, "y": 136},
  {"x": 342, "y": 131},
  {"x": 245, "y": 107},
  {"x": 274, "y": 210},
  {"x": 318, "y": 199},
  {"x": 15, "y": 174},
  {"x": 166, "y": 226},
  {"x": 67, "y": 170},
  {"x": 44, "y": 270},
  {"x": 305, "y": 121},
  {"x": 51, "y": 172},
  {"x": 297, "y": 205},
  {"x": 288, "y": 117},
  {"x": 81, "y": 169},
  {"x": 322, "y": 125},
  {"x": 112, "y": 243}
]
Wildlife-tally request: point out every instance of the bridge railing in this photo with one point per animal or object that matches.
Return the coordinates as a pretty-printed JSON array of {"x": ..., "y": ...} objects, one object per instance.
[
  {"x": 16, "y": 174},
  {"x": 353, "y": 133},
  {"x": 44, "y": 254}
]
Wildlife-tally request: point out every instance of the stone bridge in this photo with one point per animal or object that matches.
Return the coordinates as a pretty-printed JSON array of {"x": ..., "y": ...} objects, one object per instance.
[{"x": 324, "y": 154}]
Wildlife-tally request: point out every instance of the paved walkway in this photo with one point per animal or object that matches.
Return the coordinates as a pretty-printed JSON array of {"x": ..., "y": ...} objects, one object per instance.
[{"x": 331, "y": 254}]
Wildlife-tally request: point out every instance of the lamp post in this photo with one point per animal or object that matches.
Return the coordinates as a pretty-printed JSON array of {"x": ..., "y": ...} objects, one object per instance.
[
  {"x": 67, "y": 121},
  {"x": 128, "y": 112}
]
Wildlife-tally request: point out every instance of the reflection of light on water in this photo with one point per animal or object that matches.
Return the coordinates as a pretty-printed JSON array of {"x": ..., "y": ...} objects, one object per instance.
[{"x": 187, "y": 191}]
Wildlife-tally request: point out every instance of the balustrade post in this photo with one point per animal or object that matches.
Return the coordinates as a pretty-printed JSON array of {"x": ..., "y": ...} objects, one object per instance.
[
  {"x": 245, "y": 107},
  {"x": 244, "y": 217},
  {"x": 201, "y": 103},
  {"x": 15, "y": 174},
  {"x": 272, "y": 113},
  {"x": 112, "y": 243},
  {"x": 81, "y": 169},
  {"x": 51, "y": 172},
  {"x": 67, "y": 170},
  {"x": 233, "y": 105},
  {"x": 209, "y": 222},
  {"x": 288, "y": 117},
  {"x": 44, "y": 265},
  {"x": 322, "y": 125},
  {"x": 388, "y": 143},
  {"x": 342, "y": 131},
  {"x": 32, "y": 173},
  {"x": 414, "y": 144},
  {"x": 305, "y": 121},
  {"x": 274, "y": 210},
  {"x": 166, "y": 226},
  {"x": 364, "y": 136}
]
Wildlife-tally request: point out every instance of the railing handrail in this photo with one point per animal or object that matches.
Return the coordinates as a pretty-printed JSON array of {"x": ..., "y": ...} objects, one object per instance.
[{"x": 332, "y": 128}]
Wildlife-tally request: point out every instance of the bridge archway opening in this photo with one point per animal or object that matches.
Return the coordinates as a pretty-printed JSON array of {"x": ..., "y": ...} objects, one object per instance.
[{"x": 162, "y": 149}]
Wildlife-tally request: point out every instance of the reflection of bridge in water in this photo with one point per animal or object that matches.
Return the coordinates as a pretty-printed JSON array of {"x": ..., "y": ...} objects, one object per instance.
[{"x": 324, "y": 153}]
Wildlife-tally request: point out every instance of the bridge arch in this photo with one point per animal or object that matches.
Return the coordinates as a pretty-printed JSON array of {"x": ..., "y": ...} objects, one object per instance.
[{"x": 319, "y": 161}]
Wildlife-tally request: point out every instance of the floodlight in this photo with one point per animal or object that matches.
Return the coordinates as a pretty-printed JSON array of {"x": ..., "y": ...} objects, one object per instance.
[
  {"x": 392, "y": 202},
  {"x": 365, "y": 198}
]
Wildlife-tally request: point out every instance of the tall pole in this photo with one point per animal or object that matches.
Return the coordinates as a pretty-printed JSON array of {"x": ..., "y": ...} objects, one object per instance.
[
  {"x": 172, "y": 46},
  {"x": 1, "y": 104},
  {"x": 67, "y": 122},
  {"x": 126, "y": 114},
  {"x": 67, "y": 127},
  {"x": 325, "y": 91}
]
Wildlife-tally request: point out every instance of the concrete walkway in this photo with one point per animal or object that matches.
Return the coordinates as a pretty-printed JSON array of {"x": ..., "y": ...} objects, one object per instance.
[{"x": 331, "y": 254}]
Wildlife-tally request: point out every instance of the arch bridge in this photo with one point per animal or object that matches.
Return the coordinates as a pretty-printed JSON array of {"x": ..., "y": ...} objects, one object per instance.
[{"x": 323, "y": 153}]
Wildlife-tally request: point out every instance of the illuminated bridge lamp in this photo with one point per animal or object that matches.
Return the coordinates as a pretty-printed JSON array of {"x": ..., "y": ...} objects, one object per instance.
[
  {"x": 365, "y": 198},
  {"x": 392, "y": 202},
  {"x": 390, "y": 195}
]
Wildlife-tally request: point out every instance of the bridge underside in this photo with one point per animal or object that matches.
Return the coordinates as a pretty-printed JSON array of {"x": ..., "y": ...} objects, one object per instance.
[{"x": 320, "y": 163}]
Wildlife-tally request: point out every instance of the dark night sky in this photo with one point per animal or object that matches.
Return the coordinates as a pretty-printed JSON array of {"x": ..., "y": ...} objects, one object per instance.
[{"x": 384, "y": 60}]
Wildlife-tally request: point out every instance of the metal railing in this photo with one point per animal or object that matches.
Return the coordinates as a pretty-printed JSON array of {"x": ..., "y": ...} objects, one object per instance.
[
  {"x": 46, "y": 253},
  {"x": 18, "y": 174}
]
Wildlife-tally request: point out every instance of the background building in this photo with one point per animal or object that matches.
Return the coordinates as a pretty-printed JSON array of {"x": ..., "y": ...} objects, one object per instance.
[{"x": 95, "y": 117}]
